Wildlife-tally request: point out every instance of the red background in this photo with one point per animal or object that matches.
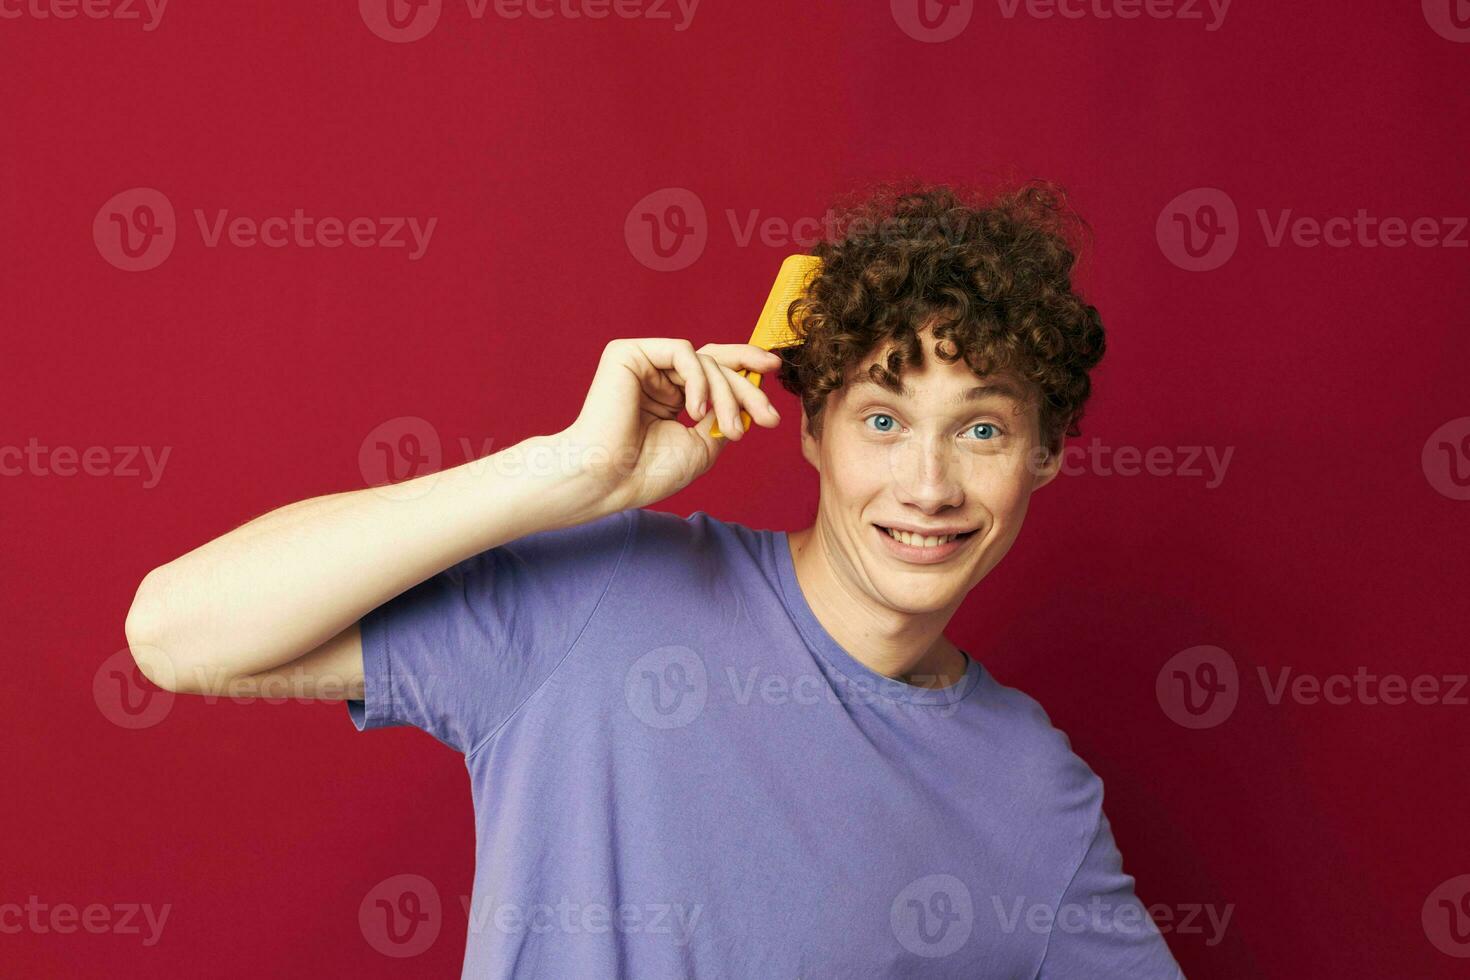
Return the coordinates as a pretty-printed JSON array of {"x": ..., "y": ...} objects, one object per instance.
[{"x": 1325, "y": 548}]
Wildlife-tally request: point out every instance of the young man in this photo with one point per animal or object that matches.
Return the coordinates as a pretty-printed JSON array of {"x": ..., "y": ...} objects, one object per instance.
[{"x": 701, "y": 749}]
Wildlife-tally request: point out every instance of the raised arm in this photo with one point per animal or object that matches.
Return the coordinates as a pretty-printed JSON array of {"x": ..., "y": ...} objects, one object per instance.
[
  {"x": 295, "y": 581},
  {"x": 282, "y": 594}
]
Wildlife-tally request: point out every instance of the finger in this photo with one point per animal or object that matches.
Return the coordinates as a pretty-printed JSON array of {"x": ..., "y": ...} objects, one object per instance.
[
  {"x": 662, "y": 389},
  {"x": 743, "y": 357},
  {"x": 677, "y": 360},
  {"x": 727, "y": 406},
  {"x": 752, "y": 399},
  {"x": 703, "y": 430}
]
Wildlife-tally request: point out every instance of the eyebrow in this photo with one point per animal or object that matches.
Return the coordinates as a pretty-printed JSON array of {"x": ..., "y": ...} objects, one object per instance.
[{"x": 994, "y": 389}]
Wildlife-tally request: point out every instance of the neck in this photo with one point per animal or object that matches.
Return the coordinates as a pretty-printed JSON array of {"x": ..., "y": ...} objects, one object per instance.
[{"x": 909, "y": 647}]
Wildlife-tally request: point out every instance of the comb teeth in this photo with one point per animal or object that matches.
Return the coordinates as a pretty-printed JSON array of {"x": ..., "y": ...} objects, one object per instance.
[{"x": 773, "y": 330}]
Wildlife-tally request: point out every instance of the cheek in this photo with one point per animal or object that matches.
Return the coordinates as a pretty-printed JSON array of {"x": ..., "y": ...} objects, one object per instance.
[
  {"x": 1004, "y": 490},
  {"x": 857, "y": 470},
  {"x": 1009, "y": 512}
]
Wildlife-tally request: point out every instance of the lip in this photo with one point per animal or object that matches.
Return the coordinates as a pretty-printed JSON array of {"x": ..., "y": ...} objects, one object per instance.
[
  {"x": 928, "y": 531},
  {"x": 916, "y": 555}
]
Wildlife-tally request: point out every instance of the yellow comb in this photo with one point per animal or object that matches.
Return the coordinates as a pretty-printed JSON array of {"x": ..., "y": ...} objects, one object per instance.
[{"x": 772, "y": 330}]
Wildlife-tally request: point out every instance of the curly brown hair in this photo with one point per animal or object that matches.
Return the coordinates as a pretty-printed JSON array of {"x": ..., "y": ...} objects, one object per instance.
[{"x": 993, "y": 275}]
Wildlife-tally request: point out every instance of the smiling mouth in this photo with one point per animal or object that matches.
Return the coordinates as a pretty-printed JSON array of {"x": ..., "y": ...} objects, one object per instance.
[{"x": 920, "y": 541}]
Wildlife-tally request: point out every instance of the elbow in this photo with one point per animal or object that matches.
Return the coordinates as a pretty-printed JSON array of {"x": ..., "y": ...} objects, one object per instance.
[{"x": 146, "y": 629}]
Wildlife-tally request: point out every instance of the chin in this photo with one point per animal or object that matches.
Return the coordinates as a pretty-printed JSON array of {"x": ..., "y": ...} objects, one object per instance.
[{"x": 914, "y": 597}]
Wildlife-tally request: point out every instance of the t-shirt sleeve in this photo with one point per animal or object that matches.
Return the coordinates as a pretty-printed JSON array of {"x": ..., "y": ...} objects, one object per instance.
[
  {"x": 457, "y": 654},
  {"x": 1100, "y": 929}
]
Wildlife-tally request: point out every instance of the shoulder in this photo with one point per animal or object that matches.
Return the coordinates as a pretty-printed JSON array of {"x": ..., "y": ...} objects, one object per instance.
[
  {"x": 602, "y": 539},
  {"x": 1038, "y": 756},
  {"x": 700, "y": 538}
]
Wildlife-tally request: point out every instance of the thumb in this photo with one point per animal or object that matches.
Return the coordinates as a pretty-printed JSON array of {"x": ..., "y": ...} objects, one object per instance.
[{"x": 701, "y": 431}]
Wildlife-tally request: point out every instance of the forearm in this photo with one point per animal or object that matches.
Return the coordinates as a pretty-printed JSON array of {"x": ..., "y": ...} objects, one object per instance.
[{"x": 283, "y": 584}]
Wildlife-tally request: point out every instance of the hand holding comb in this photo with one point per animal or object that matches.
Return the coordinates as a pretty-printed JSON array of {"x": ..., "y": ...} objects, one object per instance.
[{"x": 773, "y": 330}]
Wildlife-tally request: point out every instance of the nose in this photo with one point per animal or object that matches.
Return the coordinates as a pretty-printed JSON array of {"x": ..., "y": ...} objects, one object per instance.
[{"x": 927, "y": 473}]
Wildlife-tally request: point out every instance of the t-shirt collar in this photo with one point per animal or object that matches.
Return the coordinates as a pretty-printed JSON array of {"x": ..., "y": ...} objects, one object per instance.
[{"x": 833, "y": 653}]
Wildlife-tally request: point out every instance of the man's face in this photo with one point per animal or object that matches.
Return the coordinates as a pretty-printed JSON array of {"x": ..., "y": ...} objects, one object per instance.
[{"x": 941, "y": 458}]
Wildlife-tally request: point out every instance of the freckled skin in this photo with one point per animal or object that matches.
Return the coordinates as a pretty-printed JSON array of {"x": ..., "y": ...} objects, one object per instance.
[{"x": 928, "y": 460}]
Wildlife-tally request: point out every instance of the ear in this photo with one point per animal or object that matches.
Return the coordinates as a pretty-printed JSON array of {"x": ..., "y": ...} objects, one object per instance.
[
  {"x": 809, "y": 444},
  {"x": 1046, "y": 463}
]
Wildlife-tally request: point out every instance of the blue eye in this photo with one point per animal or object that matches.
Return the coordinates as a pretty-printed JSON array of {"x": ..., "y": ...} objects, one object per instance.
[
  {"x": 991, "y": 431},
  {"x": 882, "y": 416}
]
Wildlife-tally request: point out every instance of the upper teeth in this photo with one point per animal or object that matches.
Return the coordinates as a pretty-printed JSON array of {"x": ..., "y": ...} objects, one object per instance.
[{"x": 918, "y": 540}]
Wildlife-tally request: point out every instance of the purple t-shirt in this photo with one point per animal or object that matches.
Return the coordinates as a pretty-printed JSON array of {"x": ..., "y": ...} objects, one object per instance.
[{"x": 677, "y": 772}]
